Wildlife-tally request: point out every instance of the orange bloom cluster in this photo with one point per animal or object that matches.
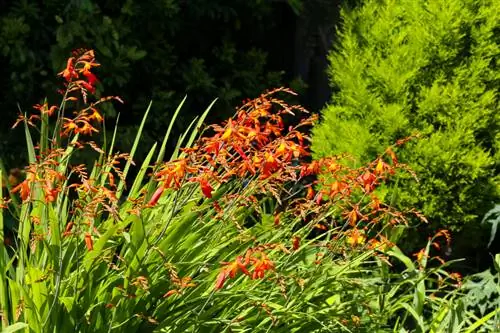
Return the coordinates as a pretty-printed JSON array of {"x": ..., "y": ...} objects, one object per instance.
[
  {"x": 355, "y": 237},
  {"x": 78, "y": 72},
  {"x": 42, "y": 175},
  {"x": 44, "y": 180},
  {"x": 351, "y": 191},
  {"x": 80, "y": 80},
  {"x": 252, "y": 143},
  {"x": 94, "y": 197},
  {"x": 423, "y": 255},
  {"x": 179, "y": 283},
  {"x": 44, "y": 109},
  {"x": 254, "y": 264},
  {"x": 256, "y": 147}
]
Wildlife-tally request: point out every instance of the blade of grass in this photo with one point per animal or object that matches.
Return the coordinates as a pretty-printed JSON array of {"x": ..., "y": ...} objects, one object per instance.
[
  {"x": 3, "y": 271},
  {"x": 14, "y": 327},
  {"x": 415, "y": 315},
  {"x": 161, "y": 154},
  {"x": 142, "y": 172},
  {"x": 175, "y": 153},
  {"x": 121, "y": 184},
  {"x": 29, "y": 143},
  {"x": 44, "y": 131},
  {"x": 104, "y": 173},
  {"x": 194, "y": 133},
  {"x": 482, "y": 321},
  {"x": 113, "y": 138}
]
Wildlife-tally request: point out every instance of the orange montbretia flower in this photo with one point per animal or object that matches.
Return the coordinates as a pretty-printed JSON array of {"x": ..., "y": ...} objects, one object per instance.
[
  {"x": 69, "y": 126},
  {"x": 44, "y": 108},
  {"x": 89, "y": 243},
  {"x": 96, "y": 115},
  {"x": 69, "y": 72},
  {"x": 381, "y": 244},
  {"x": 203, "y": 180},
  {"x": 206, "y": 188},
  {"x": 312, "y": 168},
  {"x": 85, "y": 128},
  {"x": 368, "y": 180},
  {"x": 24, "y": 188},
  {"x": 81, "y": 65},
  {"x": 269, "y": 165},
  {"x": 50, "y": 191},
  {"x": 42, "y": 176},
  {"x": 231, "y": 269},
  {"x": 174, "y": 172},
  {"x": 261, "y": 265},
  {"x": 254, "y": 264},
  {"x": 289, "y": 149},
  {"x": 78, "y": 126},
  {"x": 156, "y": 196}
]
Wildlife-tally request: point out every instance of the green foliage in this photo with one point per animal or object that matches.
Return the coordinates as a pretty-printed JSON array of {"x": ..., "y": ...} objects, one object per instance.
[
  {"x": 492, "y": 217},
  {"x": 429, "y": 68},
  {"x": 482, "y": 296}
]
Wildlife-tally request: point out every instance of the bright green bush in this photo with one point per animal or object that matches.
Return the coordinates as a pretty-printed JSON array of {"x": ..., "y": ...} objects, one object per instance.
[{"x": 429, "y": 68}]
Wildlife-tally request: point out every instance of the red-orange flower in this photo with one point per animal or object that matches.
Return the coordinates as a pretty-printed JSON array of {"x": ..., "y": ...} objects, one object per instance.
[
  {"x": 96, "y": 115},
  {"x": 91, "y": 78},
  {"x": 205, "y": 186},
  {"x": 50, "y": 191},
  {"x": 156, "y": 196},
  {"x": 353, "y": 216},
  {"x": 67, "y": 230},
  {"x": 261, "y": 265},
  {"x": 86, "y": 128},
  {"x": 312, "y": 168},
  {"x": 69, "y": 127},
  {"x": 259, "y": 261},
  {"x": 269, "y": 165},
  {"x": 69, "y": 72},
  {"x": 24, "y": 188},
  {"x": 288, "y": 150},
  {"x": 89, "y": 242},
  {"x": 368, "y": 180},
  {"x": 231, "y": 269},
  {"x": 44, "y": 109},
  {"x": 174, "y": 172}
]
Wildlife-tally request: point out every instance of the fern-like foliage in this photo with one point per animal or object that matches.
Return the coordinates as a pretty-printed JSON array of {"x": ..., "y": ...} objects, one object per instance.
[{"x": 493, "y": 217}]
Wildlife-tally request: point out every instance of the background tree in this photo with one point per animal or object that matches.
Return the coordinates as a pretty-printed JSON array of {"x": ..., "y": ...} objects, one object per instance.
[
  {"x": 154, "y": 50},
  {"x": 427, "y": 67}
]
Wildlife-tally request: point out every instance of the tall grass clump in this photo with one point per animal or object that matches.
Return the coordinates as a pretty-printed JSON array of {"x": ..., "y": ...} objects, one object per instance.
[{"x": 230, "y": 234}]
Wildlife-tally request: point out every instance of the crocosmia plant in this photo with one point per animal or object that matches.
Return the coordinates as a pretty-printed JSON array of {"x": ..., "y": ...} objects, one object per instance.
[{"x": 237, "y": 231}]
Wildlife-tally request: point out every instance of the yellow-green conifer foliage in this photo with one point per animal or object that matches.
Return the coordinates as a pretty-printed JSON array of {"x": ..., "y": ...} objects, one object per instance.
[{"x": 421, "y": 66}]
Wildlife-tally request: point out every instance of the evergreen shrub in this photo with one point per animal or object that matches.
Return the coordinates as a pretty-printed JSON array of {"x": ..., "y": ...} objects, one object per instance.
[{"x": 427, "y": 67}]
